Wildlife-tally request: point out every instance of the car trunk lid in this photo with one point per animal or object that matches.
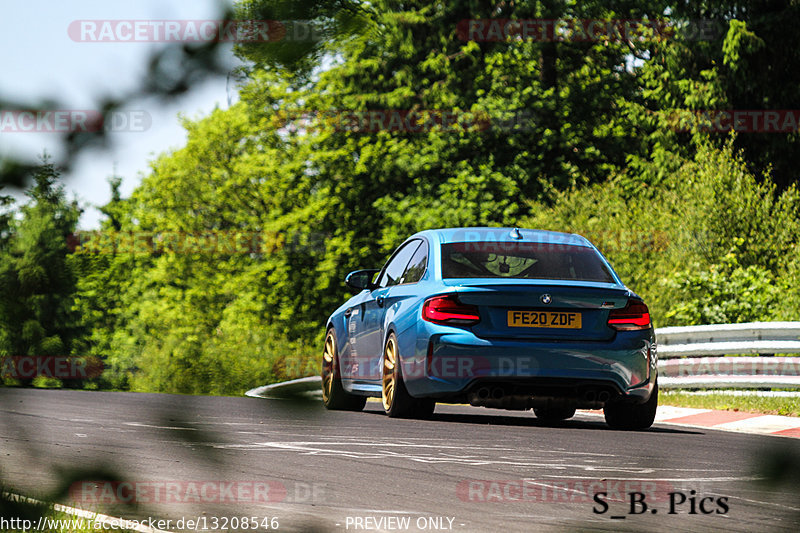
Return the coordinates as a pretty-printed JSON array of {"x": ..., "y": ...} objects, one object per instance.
[{"x": 539, "y": 310}]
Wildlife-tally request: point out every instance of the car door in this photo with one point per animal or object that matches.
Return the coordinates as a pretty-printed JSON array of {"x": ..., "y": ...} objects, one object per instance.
[{"x": 365, "y": 321}]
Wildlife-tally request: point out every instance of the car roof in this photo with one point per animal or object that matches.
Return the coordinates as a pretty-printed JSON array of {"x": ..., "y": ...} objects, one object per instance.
[{"x": 447, "y": 235}]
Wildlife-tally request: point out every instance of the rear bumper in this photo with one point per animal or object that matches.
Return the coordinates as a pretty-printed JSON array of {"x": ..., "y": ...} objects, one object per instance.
[{"x": 455, "y": 365}]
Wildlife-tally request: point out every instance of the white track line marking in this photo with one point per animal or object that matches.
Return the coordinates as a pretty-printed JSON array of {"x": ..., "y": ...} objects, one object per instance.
[
  {"x": 760, "y": 502},
  {"x": 138, "y": 424},
  {"x": 677, "y": 479}
]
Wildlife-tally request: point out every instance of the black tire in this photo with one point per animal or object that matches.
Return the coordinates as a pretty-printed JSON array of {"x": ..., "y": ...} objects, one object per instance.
[
  {"x": 424, "y": 408},
  {"x": 397, "y": 402},
  {"x": 625, "y": 415},
  {"x": 554, "y": 414},
  {"x": 334, "y": 397}
]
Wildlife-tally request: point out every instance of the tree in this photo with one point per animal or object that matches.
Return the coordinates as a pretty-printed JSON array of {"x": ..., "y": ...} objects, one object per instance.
[
  {"x": 749, "y": 63},
  {"x": 103, "y": 279},
  {"x": 37, "y": 317}
]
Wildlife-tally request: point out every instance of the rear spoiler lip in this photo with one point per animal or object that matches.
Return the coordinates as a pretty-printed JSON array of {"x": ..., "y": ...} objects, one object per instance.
[{"x": 514, "y": 282}]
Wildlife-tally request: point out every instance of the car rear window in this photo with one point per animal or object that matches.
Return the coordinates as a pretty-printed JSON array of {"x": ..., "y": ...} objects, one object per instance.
[{"x": 523, "y": 261}]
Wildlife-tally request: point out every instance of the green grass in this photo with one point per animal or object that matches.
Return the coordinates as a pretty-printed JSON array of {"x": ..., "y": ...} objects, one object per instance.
[{"x": 754, "y": 404}]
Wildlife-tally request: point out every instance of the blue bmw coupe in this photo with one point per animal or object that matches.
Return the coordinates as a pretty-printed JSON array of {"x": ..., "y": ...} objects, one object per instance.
[{"x": 496, "y": 317}]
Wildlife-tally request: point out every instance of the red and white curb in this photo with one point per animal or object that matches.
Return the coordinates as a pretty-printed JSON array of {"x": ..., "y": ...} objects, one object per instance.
[{"x": 739, "y": 421}]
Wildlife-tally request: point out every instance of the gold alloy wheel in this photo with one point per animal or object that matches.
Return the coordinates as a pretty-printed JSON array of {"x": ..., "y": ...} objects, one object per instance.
[
  {"x": 328, "y": 358},
  {"x": 389, "y": 364}
]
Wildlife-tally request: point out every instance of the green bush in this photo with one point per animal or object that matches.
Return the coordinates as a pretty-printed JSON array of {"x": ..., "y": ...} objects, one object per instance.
[{"x": 723, "y": 294}]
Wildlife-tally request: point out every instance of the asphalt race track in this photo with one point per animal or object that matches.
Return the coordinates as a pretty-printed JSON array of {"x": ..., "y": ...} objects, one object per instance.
[{"x": 467, "y": 469}]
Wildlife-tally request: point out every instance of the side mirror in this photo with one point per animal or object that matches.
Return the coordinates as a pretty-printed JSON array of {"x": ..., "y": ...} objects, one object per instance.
[{"x": 360, "y": 279}]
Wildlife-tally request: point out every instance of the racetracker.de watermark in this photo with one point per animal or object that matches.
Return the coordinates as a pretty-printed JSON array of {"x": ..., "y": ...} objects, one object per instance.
[
  {"x": 586, "y": 30},
  {"x": 222, "y": 242},
  {"x": 50, "y": 366},
  {"x": 739, "y": 120},
  {"x": 193, "y": 31},
  {"x": 560, "y": 490},
  {"x": 404, "y": 120},
  {"x": 364, "y": 366},
  {"x": 731, "y": 366},
  {"x": 73, "y": 121},
  {"x": 195, "y": 492},
  {"x": 628, "y": 239}
]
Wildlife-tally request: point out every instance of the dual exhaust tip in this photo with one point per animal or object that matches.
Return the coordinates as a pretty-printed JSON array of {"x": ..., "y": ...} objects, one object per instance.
[
  {"x": 592, "y": 396},
  {"x": 484, "y": 393}
]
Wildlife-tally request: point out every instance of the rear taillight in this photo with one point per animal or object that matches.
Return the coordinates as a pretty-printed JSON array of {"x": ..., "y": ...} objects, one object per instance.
[
  {"x": 633, "y": 316},
  {"x": 448, "y": 310}
]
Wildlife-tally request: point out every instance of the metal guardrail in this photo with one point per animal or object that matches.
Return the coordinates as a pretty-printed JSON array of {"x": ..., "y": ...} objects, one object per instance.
[
  {"x": 729, "y": 339},
  {"x": 689, "y": 356}
]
